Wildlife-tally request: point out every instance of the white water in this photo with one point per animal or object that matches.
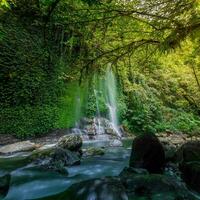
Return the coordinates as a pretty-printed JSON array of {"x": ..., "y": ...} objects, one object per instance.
[
  {"x": 99, "y": 129},
  {"x": 111, "y": 95},
  {"x": 105, "y": 93}
]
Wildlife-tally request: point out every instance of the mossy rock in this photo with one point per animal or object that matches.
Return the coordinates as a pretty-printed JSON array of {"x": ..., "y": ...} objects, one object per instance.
[
  {"x": 95, "y": 151},
  {"x": 191, "y": 174},
  {"x": 72, "y": 142},
  {"x": 189, "y": 152},
  {"x": 41, "y": 153}
]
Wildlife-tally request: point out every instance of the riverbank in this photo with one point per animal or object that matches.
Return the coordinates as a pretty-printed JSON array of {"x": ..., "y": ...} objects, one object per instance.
[
  {"x": 167, "y": 138},
  {"x": 108, "y": 168}
]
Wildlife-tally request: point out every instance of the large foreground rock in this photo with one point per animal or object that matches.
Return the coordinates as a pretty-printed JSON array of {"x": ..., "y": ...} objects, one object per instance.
[
  {"x": 191, "y": 174},
  {"x": 94, "y": 189},
  {"x": 72, "y": 142},
  {"x": 188, "y": 152},
  {"x": 4, "y": 185},
  {"x": 148, "y": 153},
  {"x": 127, "y": 187},
  {"x": 140, "y": 184},
  {"x": 18, "y": 147},
  {"x": 188, "y": 157}
]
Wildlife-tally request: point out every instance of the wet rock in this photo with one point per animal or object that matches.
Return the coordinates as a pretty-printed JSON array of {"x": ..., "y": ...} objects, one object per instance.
[
  {"x": 95, "y": 151},
  {"x": 188, "y": 158},
  {"x": 191, "y": 174},
  {"x": 102, "y": 137},
  {"x": 170, "y": 153},
  {"x": 154, "y": 186},
  {"x": 71, "y": 142},
  {"x": 101, "y": 189},
  {"x": 188, "y": 152},
  {"x": 55, "y": 159},
  {"x": 42, "y": 153},
  {"x": 18, "y": 147},
  {"x": 110, "y": 131},
  {"x": 131, "y": 186},
  {"x": 148, "y": 153},
  {"x": 95, "y": 189},
  {"x": 116, "y": 143},
  {"x": 4, "y": 185},
  {"x": 130, "y": 170}
]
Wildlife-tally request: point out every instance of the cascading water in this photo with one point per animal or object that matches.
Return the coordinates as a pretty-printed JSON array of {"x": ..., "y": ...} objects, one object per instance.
[
  {"x": 104, "y": 95},
  {"x": 111, "y": 95},
  {"x": 99, "y": 129},
  {"x": 76, "y": 129}
]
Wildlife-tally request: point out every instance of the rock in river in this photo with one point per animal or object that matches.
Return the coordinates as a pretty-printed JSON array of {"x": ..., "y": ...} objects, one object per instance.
[
  {"x": 55, "y": 159},
  {"x": 72, "y": 142},
  {"x": 148, "y": 153},
  {"x": 4, "y": 185},
  {"x": 116, "y": 143},
  {"x": 18, "y": 147},
  {"x": 109, "y": 188},
  {"x": 126, "y": 187},
  {"x": 188, "y": 157},
  {"x": 94, "y": 151},
  {"x": 141, "y": 185},
  {"x": 188, "y": 152},
  {"x": 191, "y": 174}
]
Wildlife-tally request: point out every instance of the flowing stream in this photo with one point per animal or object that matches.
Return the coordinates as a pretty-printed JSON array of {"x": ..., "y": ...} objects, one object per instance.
[{"x": 32, "y": 183}]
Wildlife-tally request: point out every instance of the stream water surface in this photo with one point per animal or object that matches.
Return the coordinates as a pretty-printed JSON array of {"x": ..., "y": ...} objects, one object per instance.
[{"x": 31, "y": 183}]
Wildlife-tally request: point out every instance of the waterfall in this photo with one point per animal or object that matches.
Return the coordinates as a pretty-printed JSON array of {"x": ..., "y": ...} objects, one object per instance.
[
  {"x": 78, "y": 106},
  {"x": 76, "y": 129},
  {"x": 111, "y": 95},
  {"x": 99, "y": 129},
  {"x": 104, "y": 100}
]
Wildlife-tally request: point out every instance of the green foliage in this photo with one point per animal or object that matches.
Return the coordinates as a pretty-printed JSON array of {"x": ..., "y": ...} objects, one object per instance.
[
  {"x": 92, "y": 101},
  {"x": 179, "y": 121},
  {"x": 71, "y": 105},
  {"x": 143, "y": 112},
  {"x": 26, "y": 121},
  {"x": 30, "y": 86},
  {"x": 47, "y": 46}
]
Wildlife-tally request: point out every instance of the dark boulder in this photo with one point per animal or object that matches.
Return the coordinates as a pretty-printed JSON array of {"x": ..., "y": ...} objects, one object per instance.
[
  {"x": 109, "y": 188},
  {"x": 191, "y": 174},
  {"x": 148, "y": 153},
  {"x": 4, "y": 184},
  {"x": 141, "y": 185},
  {"x": 129, "y": 186},
  {"x": 67, "y": 157},
  {"x": 188, "y": 152},
  {"x": 56, "y": 159},
  {"x": 188, "y": 158}
]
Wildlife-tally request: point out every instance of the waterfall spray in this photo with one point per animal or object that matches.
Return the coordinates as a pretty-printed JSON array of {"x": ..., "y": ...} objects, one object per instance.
[
  {"x": 111, "y": 95},
  {"x": 97, "y": 120}
]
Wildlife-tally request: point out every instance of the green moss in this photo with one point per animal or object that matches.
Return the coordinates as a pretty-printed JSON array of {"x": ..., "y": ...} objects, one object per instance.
[{"x": 28, "y": 121}]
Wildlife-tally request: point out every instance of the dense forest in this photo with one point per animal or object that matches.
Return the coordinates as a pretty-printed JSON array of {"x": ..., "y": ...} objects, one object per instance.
[{"x": 50, "y": 49}]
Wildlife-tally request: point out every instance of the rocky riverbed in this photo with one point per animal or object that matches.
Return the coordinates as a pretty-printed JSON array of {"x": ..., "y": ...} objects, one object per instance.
[{"x": 163, "y": 168}]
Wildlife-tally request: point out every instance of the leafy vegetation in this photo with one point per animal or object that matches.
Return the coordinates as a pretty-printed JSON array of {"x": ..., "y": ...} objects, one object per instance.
[{"x": 50, "y": 51}]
